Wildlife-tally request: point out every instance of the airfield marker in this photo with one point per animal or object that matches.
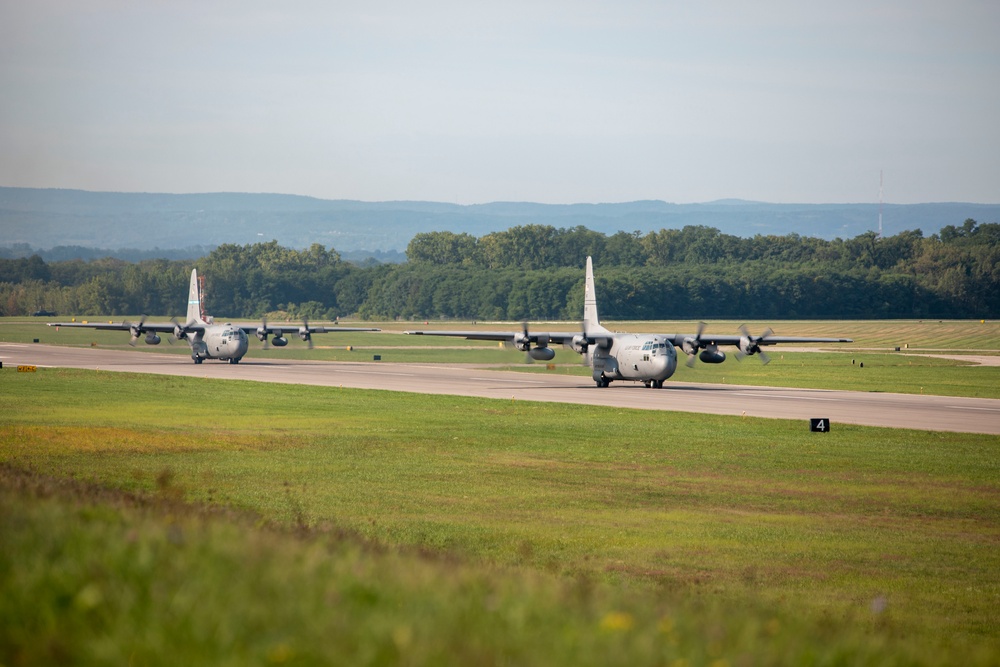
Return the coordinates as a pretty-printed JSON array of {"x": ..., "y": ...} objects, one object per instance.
[{"x": 820, "y": 425}]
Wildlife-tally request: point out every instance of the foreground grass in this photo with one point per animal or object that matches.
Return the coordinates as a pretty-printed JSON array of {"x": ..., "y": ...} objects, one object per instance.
[
  {"x": 92, "y": 577},
  {"x": 865, "y": 544}
]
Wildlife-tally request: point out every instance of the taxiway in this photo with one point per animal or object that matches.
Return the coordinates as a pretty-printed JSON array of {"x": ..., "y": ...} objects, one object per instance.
[{"x": 932, "y": 413}]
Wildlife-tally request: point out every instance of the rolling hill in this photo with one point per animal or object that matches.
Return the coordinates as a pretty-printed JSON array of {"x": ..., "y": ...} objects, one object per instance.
[{"x": 46, "y": 218}]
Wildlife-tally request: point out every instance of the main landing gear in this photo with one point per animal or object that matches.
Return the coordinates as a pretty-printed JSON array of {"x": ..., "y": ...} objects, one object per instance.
[
  {"x": 650, "y": 384},
  {"x": 197, "y": 358}
]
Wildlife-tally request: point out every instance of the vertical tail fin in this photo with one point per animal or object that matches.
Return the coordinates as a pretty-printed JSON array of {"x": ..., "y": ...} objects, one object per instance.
[
  {"x": 194, "y": 299},
  {"x": 591, "y": 322}
]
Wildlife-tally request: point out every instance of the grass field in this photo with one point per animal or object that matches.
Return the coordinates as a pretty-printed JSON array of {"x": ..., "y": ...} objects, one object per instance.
[{"x": 235, "y": 522}]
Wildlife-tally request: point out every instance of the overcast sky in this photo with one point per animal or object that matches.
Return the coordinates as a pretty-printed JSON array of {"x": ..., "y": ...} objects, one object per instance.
[{"x": 472, "y": 102}]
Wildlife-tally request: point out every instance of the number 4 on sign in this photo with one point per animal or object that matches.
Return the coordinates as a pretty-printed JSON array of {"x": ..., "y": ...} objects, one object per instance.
[{"x": 821, "y": 425}]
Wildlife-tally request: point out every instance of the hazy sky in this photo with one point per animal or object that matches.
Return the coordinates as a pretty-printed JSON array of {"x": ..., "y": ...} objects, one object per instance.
[{"x": 472, "y": 102}]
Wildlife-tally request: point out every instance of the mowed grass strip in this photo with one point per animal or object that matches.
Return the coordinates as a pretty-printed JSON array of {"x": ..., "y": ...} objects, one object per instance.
[{"x": 854, "y": 524}]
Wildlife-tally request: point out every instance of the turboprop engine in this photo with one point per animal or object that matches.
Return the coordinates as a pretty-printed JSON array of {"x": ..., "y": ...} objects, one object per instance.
[
  {"x": 750, "y": 345},
  {"x": 709, "y": 352},
  {"x": 138, "y": 330},
  {"x": 180, "y": 333},
  {"x": 580, "y": 344},
  {"x": 541, "y": 351},
  {"x": 278, "y": 339},
  {"x": 305, "y": 333}
]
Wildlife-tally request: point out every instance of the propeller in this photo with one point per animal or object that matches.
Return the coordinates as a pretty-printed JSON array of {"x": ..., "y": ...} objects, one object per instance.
[
  {"x": 171, "y": 338},
  {"x": 180, "y": 332},
  {"x": 262, "y": 332},
  {"x": 522, "y": 342},
  {"x": 750, "y": 344},
  {"x": 305, "y": 334},
  {"x": 692, "y": 345},
  {"x": 540, "y": 352},
  {"x": 580, "y": 343},
  {"x": 136, "y": 330}
]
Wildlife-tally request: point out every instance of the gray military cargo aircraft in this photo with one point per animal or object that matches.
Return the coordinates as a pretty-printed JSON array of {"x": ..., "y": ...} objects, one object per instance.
[
  {"x": 226, "y": 342},
  {"x": 647, "y": 358}
]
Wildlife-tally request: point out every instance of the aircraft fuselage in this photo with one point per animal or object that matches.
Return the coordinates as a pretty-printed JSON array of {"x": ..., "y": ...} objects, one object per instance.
[
  {"x": 647, "y": 358},
  {"x": 223, "y": 341}
]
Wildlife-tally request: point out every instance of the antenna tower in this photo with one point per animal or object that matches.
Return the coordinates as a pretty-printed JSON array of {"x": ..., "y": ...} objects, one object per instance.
[{"x": 880, "y": 203}]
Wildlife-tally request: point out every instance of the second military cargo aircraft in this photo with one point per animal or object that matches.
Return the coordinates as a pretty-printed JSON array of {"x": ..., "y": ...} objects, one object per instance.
[
  {"x": 228, "y": 342},
  {"x": 647, "y": 358}
]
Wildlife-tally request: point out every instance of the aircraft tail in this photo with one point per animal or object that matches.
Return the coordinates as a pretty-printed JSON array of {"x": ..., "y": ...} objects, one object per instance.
[
  {"x": 194, "y": 299},
  {"x": 591, "y": 322}
]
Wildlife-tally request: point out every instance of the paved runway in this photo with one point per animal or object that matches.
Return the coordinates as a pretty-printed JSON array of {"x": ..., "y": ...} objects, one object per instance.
[{"x": 933, "y": 413}]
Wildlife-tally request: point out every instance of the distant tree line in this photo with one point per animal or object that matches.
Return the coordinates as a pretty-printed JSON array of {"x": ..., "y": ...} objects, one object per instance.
[
  {"x": 534, "y": 272},
  {"x": 63, "y": 253}
]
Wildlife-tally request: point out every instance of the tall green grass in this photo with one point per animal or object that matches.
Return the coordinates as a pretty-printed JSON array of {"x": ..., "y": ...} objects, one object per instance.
[
  {"x": 90, "y": 577},
  {"x": 875, "y": 545}
]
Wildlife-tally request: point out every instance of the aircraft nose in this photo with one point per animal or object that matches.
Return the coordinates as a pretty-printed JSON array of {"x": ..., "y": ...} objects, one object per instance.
[{"x": 665, "y": 364}]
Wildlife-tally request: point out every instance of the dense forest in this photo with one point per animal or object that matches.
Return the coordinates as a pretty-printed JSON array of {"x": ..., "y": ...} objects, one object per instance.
[{"x": 534, "y": 272}]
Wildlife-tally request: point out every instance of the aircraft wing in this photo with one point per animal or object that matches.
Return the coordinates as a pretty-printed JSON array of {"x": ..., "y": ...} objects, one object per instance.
[
  {"x": 159, "y": 327},
  {"x": 712, "y": 339},
  {"x": 746, "y": 344},
  {"x": 303, "y": 331},
  {"x": 294, "y": 328},
  {"x": 506, "y": 336},
  {"x": 170, "y": 327},
  {"x": 521, "y": 337},
  {"x": 337, "y": 329}
]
